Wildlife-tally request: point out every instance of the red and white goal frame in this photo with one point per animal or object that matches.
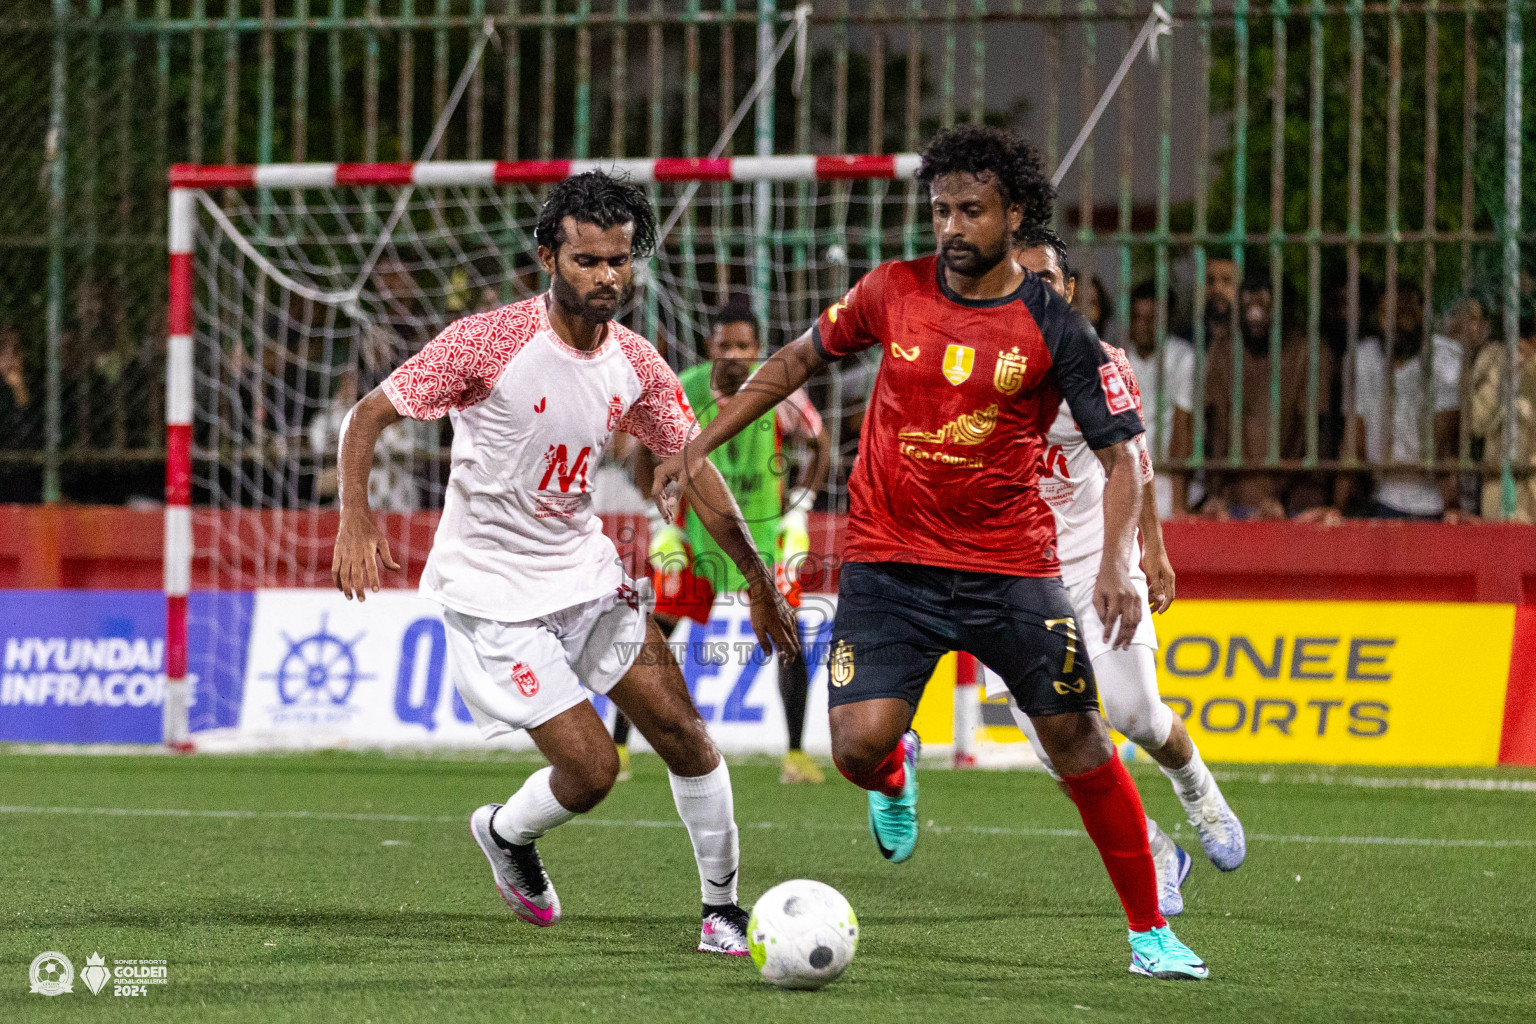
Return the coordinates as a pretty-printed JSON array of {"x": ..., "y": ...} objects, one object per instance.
[{"x": 186, "y": 180}]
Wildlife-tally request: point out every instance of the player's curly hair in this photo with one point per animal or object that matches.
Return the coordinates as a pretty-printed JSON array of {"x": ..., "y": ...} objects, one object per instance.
[
  {"x": 597, "y": 198},
  {"x": 1036, "y": 235},
  {"x": 1012, "y": 162}
]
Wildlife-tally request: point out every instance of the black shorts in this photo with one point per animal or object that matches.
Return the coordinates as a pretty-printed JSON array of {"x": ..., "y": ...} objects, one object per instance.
[{"x": 894, "y": 621}]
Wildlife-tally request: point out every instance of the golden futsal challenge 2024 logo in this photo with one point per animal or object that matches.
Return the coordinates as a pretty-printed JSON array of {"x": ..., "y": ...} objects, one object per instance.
[{"x": 53, "y": 974}]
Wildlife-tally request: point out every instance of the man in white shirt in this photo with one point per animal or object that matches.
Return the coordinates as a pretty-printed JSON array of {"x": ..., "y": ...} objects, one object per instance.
[
  {"x": 1406, "y": 493},
  {"x": 1168, "y": 398},
  {"x": 537, "y": 609}
]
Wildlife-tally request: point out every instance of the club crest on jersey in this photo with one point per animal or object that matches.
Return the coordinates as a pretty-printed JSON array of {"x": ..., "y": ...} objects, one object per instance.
[
  {"x": 1008, "y": 376},
  {"x": 527, "y": 682},
  {"x": 840, "y": 667},
  {"x": 958, "y": 361},
  {"x": 615, "y": 411},
  {"x": 1116, "y": 395}
]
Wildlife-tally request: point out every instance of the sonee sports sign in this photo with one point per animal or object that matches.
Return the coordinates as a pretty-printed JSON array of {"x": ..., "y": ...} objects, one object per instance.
[{"x": 1338, "y": 682}]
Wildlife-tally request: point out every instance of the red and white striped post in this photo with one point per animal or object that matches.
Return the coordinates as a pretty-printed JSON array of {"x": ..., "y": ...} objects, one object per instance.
[
  {"x": 178, "y": 471},
  {"x": 187, "y": 179},
  {"x": 544, "y": 172}
]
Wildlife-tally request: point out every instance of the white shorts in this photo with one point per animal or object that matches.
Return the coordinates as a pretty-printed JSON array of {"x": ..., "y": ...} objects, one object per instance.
[
  {"x": 1090, "y": 627},
  {"x": 1080, "y": 590},
  {"x": 519, "y": 675}
]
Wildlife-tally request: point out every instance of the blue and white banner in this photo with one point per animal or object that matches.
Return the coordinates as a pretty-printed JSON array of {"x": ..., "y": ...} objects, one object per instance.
[
  {"x": 284, "y": 669},
  {"x": 89, "y": 666}
]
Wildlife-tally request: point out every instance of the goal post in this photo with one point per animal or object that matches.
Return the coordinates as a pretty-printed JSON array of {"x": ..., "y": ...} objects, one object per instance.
[{"x": 294, "y": 288}]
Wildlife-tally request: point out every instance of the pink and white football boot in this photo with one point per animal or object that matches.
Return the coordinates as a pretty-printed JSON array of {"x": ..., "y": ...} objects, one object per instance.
[{"x": 518, "y": 871}]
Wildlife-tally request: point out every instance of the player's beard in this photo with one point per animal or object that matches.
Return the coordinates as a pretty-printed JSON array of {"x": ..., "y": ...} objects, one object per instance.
[
  {"x": 595, "y": 307},
  {"x": 969, "y": 260}
]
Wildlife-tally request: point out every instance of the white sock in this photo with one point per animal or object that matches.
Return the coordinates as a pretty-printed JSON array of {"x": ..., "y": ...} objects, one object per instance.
[
  {"x": 1156, "y": 837},
  {"x": 706, "y": 806},
  {"x": 1191, "y": 782},
  {"x": 531, "y": 811}
]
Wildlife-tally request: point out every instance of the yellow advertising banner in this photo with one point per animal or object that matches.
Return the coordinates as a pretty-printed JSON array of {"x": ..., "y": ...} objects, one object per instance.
[{"x": 1338, "y": 682}]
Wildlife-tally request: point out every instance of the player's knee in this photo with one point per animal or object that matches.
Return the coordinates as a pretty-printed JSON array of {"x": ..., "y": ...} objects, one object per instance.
[
  {"x": 1076, "y": 742},
  {"x": 683, "y": 743},
  {"x": 858, "y": 755}
]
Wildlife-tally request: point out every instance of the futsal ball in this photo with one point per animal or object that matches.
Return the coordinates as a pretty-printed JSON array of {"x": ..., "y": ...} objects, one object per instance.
[{"x": 802, "y": 934}]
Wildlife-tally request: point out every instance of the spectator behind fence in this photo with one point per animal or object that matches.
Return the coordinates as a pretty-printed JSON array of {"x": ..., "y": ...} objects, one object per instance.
[
  {"x": 1405, "y": 493},
  {"x": 1487, "y": 414},
  {"x": 15, "y": 396},
  {"x": 1093, "y": 302},
  {"x": 392, "y": 486},
  {"x": 1259, "y": 494},
  {"x": 1168, "y": 402},
  {"x": 1220, "y": 296}
]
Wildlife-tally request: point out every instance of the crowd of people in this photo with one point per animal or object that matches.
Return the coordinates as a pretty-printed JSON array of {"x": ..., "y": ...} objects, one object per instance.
[
  {"x": 1258, "y": 462},
  {"x": 1446, "y": 387}
]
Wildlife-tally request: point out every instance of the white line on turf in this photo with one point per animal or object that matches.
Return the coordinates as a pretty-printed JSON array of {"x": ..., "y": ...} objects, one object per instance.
[
  {"x": 985, "y": 830},
  {"x": 1377, "y": 782}
]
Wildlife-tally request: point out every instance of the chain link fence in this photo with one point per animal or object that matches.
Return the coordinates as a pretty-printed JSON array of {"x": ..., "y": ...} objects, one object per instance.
[{"x": 1344, "y": 150}]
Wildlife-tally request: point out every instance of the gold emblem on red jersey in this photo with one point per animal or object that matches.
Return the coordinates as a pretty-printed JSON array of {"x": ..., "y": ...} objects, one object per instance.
[
  {"x": 1008, "y": 376},
  {"x": 908, "y": 354},
  {"x": 967, "y": 428},
  {"x": 958, "y": 361},
  {"x": 841, "y": 303}
]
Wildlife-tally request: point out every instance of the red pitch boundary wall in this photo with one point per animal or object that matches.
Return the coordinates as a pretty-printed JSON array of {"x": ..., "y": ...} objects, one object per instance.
[{"x": 108, "y": 547}]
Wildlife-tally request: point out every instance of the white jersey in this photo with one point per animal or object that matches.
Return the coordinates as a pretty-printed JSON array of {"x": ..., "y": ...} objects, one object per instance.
[
  {"x": 531, "y": 416},
  {"x": 1072, "y": 483}
]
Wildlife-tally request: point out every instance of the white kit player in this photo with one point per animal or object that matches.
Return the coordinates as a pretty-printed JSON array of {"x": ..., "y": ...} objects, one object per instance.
[
  {"x": 537, "y": 610},
  {"x": 1072, "y": 483}
]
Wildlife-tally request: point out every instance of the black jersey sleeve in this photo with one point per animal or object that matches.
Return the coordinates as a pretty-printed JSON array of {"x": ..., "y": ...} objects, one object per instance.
[{"x": 1098, "y": 395}]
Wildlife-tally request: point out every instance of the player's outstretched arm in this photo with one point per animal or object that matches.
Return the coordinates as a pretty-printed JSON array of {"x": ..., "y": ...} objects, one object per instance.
[
  {"x": 1114, "y": 598},
  {"x": 772, "y": 619},
  {"x": 360, "y": 547},
  {"x": 786, "y": 371}
]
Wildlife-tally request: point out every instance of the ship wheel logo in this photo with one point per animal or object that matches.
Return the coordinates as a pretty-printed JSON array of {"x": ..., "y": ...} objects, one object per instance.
[{"x": 318, "y": 670}]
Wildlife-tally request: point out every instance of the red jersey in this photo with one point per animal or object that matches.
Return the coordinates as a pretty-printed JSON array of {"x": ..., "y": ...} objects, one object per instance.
[{"x": 950, "y": 453}]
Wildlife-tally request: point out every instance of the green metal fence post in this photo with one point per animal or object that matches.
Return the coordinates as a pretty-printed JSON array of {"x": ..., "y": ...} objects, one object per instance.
[
  {"x": 1279, "y": 12},
  {"x": 56, "y": 213},
  {"x": 1314, "y": 230},
  {"x": 762, "y": 191},
  {"x": 1513, "y": 79},
  {"x": 1239, "y": 231}
]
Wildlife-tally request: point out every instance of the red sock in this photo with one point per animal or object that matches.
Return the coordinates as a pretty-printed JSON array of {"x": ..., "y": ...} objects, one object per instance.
[
  {"x": 890, "y": 776},
  {"x": 1111, "y": 809}
]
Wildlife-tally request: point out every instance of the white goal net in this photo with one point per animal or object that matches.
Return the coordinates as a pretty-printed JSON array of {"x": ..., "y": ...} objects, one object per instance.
[{"x": 303, "y": 298}]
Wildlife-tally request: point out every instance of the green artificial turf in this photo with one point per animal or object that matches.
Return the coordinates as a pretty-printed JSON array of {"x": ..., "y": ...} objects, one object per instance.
[{"x": 1003, "y": 914}]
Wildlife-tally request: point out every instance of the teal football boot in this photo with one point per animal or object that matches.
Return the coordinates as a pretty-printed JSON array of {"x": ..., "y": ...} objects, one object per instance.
[
  {"x": 1159, "y": 954},
  {"x": 893, "y": 820}
]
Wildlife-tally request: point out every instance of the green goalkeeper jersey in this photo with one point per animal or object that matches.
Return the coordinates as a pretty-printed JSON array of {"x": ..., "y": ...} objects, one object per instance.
[{"x": 748, "y": 462}]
